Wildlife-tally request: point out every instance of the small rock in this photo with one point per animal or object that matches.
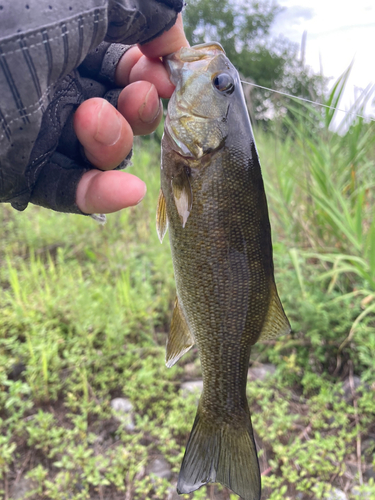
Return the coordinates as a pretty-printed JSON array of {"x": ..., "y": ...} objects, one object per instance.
[
  {"x": 348, "y": 396},
  {"x": 261, "y": 372},
  {"x": 16, "y": 371},
  {"x": 160, "y": 468},
  {"x": 140, "y": 474},
  {"x": 21, "y": 489},
  {"x": 369, "y": 474},
  {"x": 300, "y": 496},
  {"x": 336, "y": 494},
  {"x": 356, "y": 491},
  {"x": 122, "y": 405},
  {"x": 194, "y": 386},
  {"x": 172, "y": 492},
  {"x": 173, "y": 495},
  {"x": 122, "y": 408},
  {"x": 192, "y": 370},
  {"x": 352, "y": 468}
]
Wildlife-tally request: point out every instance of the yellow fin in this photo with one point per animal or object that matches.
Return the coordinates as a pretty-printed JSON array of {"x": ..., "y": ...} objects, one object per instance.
[
  {"x": 180, "y": 340},
  {"x": 276, "y": 322},
  {"x": 183, "y": 197},
  {"x": 161, "y": 217}
]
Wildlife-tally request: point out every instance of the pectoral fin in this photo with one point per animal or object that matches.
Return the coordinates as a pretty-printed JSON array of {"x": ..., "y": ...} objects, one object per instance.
[
  {"x": 182, "y": 194},
  {"x": 161, "y": 217},
  {"x": 276, "y": 322},
  {"x": 180, "y": 339}
]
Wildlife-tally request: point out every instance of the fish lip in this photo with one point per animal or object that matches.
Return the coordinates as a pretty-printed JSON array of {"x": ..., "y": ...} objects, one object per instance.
[
  {"x": 175, "y": 61},
  {"x": 195, "y": 52}
]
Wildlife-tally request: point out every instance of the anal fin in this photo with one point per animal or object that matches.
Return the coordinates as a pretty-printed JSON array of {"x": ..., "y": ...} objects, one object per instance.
[
  {"x": 180, "y": 340},
  {"x": 276, "y": 322}
]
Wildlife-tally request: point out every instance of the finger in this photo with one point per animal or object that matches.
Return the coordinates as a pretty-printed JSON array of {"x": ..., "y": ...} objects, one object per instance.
[
  {"x": 134, "y": 67},
  {"x": 106, "y": 192},
  {"x": 168, "y": 42},
  {"x": 106, "y": 136},
  {"x": 139, "y": 103},
  {"x": 125, "y": 65},
  {"x": 152, "y": 70}
]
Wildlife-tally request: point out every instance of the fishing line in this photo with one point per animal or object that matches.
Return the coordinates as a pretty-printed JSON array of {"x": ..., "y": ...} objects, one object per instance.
[{"x": 307, "y": 100}]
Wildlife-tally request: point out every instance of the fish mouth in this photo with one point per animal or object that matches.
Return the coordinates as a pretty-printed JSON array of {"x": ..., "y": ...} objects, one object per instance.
[
  {"x": 200, "y": 51},
  {"x": 174, "y": 62}
]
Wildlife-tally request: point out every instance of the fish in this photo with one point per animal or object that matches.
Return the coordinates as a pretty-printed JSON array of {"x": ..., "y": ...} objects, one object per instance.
[{"x": 212, "y": 202}]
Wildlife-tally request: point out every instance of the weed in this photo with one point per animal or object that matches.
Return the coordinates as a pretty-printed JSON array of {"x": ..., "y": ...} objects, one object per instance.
[{"x": 84, "y": 312}]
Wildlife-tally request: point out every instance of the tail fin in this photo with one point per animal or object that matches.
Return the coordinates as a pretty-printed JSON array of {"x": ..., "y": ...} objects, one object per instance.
[{"x": 223, "y": 453}]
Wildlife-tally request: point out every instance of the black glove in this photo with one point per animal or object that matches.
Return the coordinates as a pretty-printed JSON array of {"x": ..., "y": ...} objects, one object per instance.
[{"x": 41, "y": 160}]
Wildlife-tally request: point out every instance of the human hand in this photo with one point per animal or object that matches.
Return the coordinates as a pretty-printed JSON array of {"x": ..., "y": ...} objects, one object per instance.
[
  {"x": 107, "y": 134},
  {"x": 68, "y": 56}
]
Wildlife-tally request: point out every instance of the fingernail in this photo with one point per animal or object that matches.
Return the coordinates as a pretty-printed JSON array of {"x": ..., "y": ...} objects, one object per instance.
[
  {"x": 144, "y": 194},
  {"x": 109, "y": 125},
  {"x": 150, "y": 108}
]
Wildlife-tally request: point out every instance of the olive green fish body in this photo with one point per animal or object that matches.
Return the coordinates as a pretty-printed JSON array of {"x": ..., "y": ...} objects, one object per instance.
[
  {"x": 223, "y": 267},
  {"x": 213, "y": 200}
]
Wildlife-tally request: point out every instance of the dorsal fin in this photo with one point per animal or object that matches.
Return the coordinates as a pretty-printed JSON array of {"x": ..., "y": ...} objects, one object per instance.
[
  {"x": 180, "y": 340},
  {"x": 161, "y": 217},
  {"x": 276, "y": 322}
]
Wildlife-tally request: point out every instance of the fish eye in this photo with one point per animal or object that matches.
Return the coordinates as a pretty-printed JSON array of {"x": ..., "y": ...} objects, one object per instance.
[{"x": 224, "y": 83}]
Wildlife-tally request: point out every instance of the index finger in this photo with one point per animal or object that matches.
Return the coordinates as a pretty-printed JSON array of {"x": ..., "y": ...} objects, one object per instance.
[{"x": 170, "y": 41}]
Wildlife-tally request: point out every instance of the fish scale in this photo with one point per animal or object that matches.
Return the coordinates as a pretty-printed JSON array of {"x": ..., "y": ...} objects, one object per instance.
[{"x": 213, "y": 202}]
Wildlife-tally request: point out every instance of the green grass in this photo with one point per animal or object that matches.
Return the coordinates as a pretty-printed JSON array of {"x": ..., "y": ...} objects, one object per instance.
[{"x": 85, "y": 310}]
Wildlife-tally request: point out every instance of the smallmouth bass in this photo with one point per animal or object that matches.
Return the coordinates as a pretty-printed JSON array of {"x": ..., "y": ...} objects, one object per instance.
[{"x": 212, "y": 200}]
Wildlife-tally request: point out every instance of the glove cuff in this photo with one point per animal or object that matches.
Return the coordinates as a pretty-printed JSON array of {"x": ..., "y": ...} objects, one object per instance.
[
  {"x": 110, "y": 60},
  {"x": 101, "y": 63},
  {"x": 140, "y": 21}
]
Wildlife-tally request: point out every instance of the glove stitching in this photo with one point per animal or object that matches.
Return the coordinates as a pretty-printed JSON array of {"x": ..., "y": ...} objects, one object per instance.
[
  {"x": 40, "y": 102},
  {"x": 50, "y": 28},
  {"x": 36, "y": 165}
]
